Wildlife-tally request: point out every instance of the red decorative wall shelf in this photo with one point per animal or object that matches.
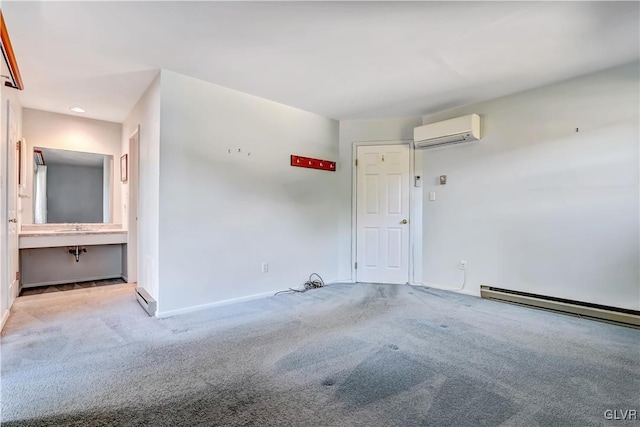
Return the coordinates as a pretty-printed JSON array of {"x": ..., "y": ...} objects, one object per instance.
[{"x": 308, "y": 162}]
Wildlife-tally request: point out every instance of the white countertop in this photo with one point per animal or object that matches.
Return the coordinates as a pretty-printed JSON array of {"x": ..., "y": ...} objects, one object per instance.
[
  {"x": 56, "y": 235},
  {"x": 40, "y": 233}
]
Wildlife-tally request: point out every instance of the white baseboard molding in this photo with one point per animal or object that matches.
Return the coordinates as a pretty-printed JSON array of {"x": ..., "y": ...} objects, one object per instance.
[
  {"x": 5, "y": 316},
  {"x": 62, "y": 282},
  {"x": 171, "y": 313},
  {"x": 444, "y": 288},
  {"x": 472, "y": 293},
  {"x": 332, "y": 282}
]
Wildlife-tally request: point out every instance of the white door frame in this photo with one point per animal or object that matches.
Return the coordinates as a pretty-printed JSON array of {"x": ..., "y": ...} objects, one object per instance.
[
  {"x": 354, "y": 198},
  {"x": 133, "y": 180},
  {"x": 4, "y": 224},
  {"x": 12, "y": 200}
]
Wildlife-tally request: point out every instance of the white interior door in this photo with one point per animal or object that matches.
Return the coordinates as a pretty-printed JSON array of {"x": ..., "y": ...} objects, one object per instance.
[
  {"x": 382, "y": 214},
  {"x": 12, "y": 202}
]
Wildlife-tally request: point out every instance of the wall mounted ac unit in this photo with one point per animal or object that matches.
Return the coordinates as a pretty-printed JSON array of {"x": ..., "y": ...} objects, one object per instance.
[{"x": 447, "y": 132}]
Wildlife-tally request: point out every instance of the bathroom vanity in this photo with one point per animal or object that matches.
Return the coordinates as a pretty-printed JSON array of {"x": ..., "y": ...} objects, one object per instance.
[
  {"x": 68, "y": 233},
  {"x": 65, "y": 253},
  {"x": 56, "y": 235}
]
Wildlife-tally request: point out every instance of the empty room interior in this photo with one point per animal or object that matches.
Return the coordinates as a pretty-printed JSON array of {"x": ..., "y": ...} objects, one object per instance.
[{"x": 320, "y": 213}]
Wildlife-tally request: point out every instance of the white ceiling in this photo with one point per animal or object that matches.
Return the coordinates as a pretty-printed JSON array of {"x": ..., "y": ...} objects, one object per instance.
[{"x": 340, "y": 60}]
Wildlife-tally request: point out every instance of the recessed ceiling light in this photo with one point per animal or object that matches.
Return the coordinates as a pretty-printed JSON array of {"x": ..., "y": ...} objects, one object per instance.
[{"x": 77, "y": 110}]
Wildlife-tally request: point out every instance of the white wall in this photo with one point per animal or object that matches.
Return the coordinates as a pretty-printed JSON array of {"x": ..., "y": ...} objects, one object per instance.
[
  {"x": 535, "y": 206},
  {"x": 66, "y": 132},
  {"x": 146, "y": 114},
  {"x": 229, "y": 200},
  {"x": 392, "y": 130}
]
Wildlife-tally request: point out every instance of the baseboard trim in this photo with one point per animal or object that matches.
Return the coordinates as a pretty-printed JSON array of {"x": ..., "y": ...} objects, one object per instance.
[
  {"x": 62, "y": 282},
  {"x": 5, "y": 316},
  {"x": 442, "y": 288},
  {"x": 179, "y": 311}
]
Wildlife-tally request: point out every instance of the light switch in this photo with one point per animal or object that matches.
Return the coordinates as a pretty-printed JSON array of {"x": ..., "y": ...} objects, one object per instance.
[{"x": 432, "y": 195}]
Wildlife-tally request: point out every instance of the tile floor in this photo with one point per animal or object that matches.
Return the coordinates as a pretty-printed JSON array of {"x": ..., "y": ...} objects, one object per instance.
[{"x": 69, "y": 286}]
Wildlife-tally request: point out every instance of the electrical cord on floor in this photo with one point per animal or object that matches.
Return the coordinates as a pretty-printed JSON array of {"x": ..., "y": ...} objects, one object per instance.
[
  {"x": 308, "y": 285},
  {"x": 464, "y": 283}
]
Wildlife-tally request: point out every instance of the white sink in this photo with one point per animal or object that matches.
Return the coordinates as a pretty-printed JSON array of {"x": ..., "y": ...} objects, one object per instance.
[{"x": 72, "y": 238}]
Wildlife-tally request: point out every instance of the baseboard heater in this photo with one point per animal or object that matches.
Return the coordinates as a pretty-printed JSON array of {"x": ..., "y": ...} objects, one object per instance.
[
  {"x": 605, "y": 313},
  {"x": 146, "y": 301}
]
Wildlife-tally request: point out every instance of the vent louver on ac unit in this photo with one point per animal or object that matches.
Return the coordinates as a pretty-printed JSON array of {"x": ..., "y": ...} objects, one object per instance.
[{"x": 448, "y": 132}]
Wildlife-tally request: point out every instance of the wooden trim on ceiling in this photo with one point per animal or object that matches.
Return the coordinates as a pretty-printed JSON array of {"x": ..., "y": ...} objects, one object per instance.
[{"x": 9, "y": 56}]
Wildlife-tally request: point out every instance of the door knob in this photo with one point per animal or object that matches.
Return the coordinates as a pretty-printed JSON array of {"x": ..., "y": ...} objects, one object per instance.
[{"x": 404, "y": 221}]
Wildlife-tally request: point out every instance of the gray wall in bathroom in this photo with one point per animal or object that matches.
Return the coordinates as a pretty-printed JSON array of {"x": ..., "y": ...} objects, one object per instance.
[
  {"x": 48, "y": 266},
  {"x": 125, "y": 267},
  {"x": 74, "y": 193}
]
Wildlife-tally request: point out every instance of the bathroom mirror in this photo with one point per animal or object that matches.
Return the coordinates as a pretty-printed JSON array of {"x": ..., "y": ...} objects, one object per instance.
[{"x": 71, "y": 186}]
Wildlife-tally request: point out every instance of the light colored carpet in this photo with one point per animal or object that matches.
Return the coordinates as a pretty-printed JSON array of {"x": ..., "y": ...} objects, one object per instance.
[{"x": 352, "y": 355}]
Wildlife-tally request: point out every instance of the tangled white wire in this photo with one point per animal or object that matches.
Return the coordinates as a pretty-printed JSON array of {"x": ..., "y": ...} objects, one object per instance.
[{"x": 309, "y": 284}]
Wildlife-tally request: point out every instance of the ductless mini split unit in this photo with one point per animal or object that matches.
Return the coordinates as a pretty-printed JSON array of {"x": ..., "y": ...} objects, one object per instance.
[{"x": 447, "y": 132}]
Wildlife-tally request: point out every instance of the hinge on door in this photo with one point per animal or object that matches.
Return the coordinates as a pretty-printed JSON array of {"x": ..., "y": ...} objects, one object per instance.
[
  {"x": 18, "y": 144},
  {"x": 356, "y": 162},
  {"x": 17, "y": 275},
  {"x": 355, "y": 266}
]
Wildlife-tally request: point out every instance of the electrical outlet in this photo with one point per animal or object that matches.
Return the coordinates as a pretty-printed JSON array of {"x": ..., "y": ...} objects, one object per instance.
[
  {"x": 265, "y": 267},
  {"x": 463, "y": 264}
]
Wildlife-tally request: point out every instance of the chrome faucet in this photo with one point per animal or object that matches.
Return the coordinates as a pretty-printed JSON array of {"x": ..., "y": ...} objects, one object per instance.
[{"x": 77, "y": 251}]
